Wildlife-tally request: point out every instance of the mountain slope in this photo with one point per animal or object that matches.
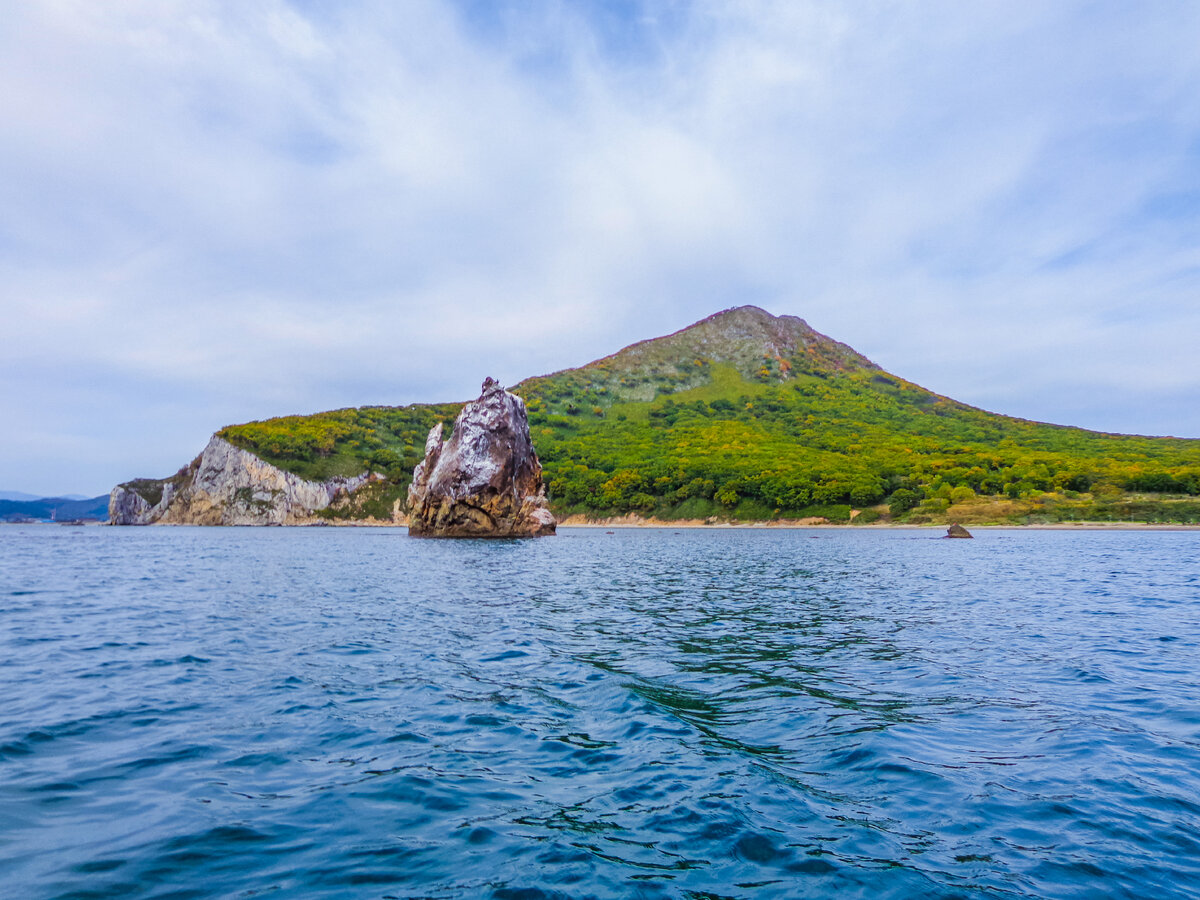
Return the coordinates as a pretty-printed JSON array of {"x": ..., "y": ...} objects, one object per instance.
[
  {"x": 749, "y": 415},
  {"x": 757, "y": 345}
]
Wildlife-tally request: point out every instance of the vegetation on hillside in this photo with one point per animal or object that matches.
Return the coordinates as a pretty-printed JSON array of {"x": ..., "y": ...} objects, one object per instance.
[
  {"x": 746, "y": 416},
  {"x": 344, "y": 442}
]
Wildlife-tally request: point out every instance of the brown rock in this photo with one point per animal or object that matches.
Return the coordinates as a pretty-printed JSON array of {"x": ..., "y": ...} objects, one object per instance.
[
  {"x": 486, "y": 480},
  {"x": 957, "y": 531}
]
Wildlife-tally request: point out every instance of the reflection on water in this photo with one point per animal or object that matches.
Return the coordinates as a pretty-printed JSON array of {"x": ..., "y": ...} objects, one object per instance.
[{"x": 347, "y": 713}]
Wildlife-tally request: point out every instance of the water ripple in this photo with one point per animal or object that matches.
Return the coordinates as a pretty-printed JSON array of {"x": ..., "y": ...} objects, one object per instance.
[{"x": 702, "y": 714}]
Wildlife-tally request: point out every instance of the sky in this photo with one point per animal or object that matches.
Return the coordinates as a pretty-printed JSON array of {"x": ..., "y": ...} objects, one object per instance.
[{"x": 214, "y": 211}]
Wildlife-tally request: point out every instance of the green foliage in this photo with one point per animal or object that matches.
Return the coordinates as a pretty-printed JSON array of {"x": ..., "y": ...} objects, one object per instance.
[
  {"x": 901, "y": 501},
  {"x": 752, "y": 511},
  {"x": 856, "y": 437},
  {"x": 374, "y": 500},
  {"x": 692, "y": 508},
  {"x": 701, "y": 423},
  {"x": 152, "y": 489},
  {"x": 344, "y": 442},
  {"x": 149, "y": 489}
]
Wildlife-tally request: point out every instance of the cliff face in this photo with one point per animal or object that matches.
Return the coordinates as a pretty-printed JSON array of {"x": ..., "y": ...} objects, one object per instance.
[
  {"x": 226, "y": 486},
  {"x": 486, "y": 480}
]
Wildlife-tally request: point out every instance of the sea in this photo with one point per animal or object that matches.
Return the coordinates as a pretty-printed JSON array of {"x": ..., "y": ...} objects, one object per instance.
[{"x": 609, "y": 713}]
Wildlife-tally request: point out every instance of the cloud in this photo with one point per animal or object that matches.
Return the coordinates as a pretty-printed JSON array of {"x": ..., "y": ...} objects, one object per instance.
[{"x": 223, "y": 211}]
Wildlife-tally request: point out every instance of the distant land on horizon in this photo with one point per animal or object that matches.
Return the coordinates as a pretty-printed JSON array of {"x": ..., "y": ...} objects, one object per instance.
[
  {"x": 59, "y": 508},
  {"x": 746, "y": 416}
]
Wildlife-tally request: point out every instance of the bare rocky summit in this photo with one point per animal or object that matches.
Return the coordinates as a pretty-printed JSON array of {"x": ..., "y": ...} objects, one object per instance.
[{"x": 486, "y": 480}]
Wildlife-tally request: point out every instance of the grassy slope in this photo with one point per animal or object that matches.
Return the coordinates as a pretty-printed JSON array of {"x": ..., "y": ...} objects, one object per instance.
[{"x": 749, "y": 416}]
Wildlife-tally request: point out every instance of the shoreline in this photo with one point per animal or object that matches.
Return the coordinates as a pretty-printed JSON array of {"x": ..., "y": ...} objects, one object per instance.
[
  {"x": 634, "y": 521},
  {"x": 893, "y": 526},
  {"x": 792, "y": 525}
]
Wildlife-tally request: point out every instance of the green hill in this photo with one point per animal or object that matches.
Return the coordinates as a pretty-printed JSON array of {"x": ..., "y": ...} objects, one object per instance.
[{"x": 745, "y": 415}]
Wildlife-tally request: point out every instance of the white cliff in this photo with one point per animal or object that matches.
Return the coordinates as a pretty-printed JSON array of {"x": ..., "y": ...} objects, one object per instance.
[{"x": 226, "y": 485}]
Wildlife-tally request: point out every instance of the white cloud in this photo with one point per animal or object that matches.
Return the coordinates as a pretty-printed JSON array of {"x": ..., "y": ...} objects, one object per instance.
[{"x": 217, "y": 211}]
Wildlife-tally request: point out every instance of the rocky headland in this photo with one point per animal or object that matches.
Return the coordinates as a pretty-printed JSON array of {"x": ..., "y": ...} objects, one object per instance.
[
  {"x": 226, "y": 485},
  {"x": 486, "y": 479},
  {"x": 742, "y": 417}
]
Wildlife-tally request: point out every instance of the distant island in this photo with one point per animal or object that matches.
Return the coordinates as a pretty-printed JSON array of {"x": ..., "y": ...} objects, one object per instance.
[
  {"x": 741, "y": 417},
  {"x": 52, "y": 509}
]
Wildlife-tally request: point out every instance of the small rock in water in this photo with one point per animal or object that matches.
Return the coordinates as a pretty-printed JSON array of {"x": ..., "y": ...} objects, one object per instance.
[
  {"x": 486, "y": 480},
  {"x": 957, "y": 531}
]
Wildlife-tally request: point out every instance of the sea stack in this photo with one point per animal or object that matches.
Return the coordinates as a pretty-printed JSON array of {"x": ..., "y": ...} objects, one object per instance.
[{"x": 486, "y": 480}]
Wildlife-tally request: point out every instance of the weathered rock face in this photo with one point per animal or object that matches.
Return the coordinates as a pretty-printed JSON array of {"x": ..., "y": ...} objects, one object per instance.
[
  {"x": 226, "y": 485},
  {"x": 486, "y": 480},
  {"x": 127, "y": 507}
]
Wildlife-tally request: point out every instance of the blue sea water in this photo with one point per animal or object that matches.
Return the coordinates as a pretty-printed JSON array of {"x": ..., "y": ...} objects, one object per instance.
[{"x": 193, "y": 713}]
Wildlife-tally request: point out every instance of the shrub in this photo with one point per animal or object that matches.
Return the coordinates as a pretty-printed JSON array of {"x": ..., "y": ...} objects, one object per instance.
[{"x": 902, "y": 501}]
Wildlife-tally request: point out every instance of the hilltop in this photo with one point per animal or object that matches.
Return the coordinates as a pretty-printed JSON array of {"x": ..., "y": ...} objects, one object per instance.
[
  {"x": 754, "y": 343},
  {"x": 749, "y": 416}
]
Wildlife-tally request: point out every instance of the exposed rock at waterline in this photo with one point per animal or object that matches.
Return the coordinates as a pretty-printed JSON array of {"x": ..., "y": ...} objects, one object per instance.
[
  {"x": 486, "y": 480},
  {"x": 957, "y": 531},
  {"x": 226, "y": 485}
]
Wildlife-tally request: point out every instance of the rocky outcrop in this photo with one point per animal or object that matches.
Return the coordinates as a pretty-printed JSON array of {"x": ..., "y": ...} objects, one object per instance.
[
  {"x": 127, "y": 507},
  {"x": 957, "y": 531},
  {"x": 226, "y": 485},
  {"x": 486, "y": 480}
]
